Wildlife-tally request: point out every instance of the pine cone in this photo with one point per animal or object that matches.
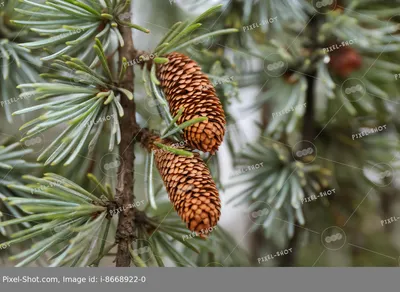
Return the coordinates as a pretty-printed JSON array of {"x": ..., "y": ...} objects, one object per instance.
[
  {"x": 186, "y": 86},
  {"x": 190, "y": 188},
  {"x": 344, "y": 61}
]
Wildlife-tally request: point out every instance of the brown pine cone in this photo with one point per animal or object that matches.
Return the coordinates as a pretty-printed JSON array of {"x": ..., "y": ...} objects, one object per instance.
[
  {"x": 345, "y": 61},
  {"x": 190, "y": 188},
  {"x": 185, "y": 85}
]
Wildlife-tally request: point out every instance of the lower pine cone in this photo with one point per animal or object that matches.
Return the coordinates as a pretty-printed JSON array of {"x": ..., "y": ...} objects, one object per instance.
[{"x": 191, "y": 189}]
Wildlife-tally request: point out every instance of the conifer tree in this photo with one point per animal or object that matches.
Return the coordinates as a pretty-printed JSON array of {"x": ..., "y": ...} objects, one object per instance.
[{"x": 122, "y": 152}]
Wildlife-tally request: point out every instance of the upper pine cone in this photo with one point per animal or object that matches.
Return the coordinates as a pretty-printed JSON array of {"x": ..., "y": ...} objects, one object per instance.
[
  {"x": 185, "y": 85},
  {"x": 191, "y": 189}
]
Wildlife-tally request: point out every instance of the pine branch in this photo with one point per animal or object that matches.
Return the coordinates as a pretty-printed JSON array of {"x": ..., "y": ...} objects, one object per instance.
[{"x": 125, "y": 185}]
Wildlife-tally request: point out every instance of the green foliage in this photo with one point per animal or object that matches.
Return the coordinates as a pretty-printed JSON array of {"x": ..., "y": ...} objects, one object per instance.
[
  {"x": 72, "y": 26},
  {"x": 85, "y": 103},
  {"x": 64, "y": 218},
  {"x": 12, "y": 165},
  {"x": 276, "y": 186},
  {"x": 17, "y": 64}
]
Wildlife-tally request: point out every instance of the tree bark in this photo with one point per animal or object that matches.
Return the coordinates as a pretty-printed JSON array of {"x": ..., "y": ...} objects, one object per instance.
[{"x": 125, "y": 234}]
